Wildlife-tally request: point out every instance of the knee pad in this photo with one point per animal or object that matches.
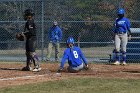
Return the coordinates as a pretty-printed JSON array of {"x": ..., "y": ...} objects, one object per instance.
[
  {"x": 32, "y": 54},
  {"x": 27, "y": 54}
]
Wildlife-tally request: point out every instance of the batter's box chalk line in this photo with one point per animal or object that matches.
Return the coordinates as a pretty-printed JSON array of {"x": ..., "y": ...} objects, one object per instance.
[
  {"x": 23, "y": 77},
  {"x": 27, "y": 77}
]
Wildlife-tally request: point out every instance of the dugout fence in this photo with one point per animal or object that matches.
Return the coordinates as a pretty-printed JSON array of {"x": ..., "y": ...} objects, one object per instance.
[{"x": 90, "y": 22}]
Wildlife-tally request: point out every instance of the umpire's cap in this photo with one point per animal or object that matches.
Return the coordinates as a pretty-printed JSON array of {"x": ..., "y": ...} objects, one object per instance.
[
  {"x": 121, "y": 11},
  {"x": 70, "y": 40}
]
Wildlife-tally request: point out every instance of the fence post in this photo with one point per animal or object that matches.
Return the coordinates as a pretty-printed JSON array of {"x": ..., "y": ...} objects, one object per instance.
[
  {"x": 42, "y": 35},
  {"x": 79, "y": 35}
]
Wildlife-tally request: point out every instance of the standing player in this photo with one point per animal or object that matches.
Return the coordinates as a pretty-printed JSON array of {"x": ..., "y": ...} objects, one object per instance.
[
  {"x": 30, "y": 34},
  {"x": 74, "y": 56},
  {"x": 121, "y": 34},
  {"x": 55, "y": 36}
]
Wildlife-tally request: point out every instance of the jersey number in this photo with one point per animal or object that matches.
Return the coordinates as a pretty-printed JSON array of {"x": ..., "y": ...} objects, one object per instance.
[{"x": 75, "y": 54}]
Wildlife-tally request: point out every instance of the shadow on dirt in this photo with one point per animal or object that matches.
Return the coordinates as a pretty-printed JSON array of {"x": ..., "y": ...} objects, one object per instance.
[
  {"x": 132, "y": 71},
  {"x": 10, "y": 69}
]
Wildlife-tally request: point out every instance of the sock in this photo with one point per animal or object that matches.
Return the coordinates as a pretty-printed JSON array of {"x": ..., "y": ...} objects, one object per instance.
[
  {"x": 117, "y": 56},
  {"x": 124, "y": 56}
]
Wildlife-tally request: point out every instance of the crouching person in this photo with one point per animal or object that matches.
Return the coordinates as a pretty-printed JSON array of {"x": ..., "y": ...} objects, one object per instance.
[{"x": 74, "y": 56}]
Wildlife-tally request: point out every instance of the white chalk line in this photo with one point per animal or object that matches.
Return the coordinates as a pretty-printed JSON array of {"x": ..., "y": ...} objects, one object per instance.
[{"x": 23, "y": 77}]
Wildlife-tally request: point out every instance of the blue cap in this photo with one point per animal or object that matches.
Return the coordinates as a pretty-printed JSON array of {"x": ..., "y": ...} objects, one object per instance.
[
  {"x": 70, "y": 40},
  {"x": 121, "y": 11}
]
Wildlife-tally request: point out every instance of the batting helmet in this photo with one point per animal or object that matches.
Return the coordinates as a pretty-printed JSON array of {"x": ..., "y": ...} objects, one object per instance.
[
  {"x": 70, "y": 40},
  {"x": 121, "y": 11}
]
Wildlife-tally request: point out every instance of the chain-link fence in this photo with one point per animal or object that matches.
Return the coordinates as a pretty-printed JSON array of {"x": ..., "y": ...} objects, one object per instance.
[{"x": 90, "y": 22}]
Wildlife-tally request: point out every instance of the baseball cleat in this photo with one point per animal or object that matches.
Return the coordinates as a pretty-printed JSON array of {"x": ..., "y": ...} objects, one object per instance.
[
  {"x": 116, "y": 63},
  {"x": 30, "y": 68},
  {"x": 26, "y": 68},
  {"x": 124, "y": 63},
  {"x": 35, "y": 70},
  {"x": 39, "y": 69}
]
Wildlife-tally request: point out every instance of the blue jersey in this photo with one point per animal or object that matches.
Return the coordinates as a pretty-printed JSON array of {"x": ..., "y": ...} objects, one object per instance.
[
  {"x": 55, "y": 34},
  {"x": 74, "y": 57},
  {"x": 122, "y": 25}
]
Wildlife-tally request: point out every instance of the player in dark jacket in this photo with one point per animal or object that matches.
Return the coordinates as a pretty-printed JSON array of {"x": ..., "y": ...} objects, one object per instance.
[
  {"x": 74, "y": 56},
  {"x": 30, "y": 34}
]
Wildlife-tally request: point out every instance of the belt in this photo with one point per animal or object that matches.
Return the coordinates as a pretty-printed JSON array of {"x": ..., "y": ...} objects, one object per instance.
[{"x": 120, "y": 32}]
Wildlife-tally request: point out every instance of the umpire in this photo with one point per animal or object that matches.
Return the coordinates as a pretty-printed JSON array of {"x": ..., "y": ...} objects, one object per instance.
[{"x": 30, "y": 34}]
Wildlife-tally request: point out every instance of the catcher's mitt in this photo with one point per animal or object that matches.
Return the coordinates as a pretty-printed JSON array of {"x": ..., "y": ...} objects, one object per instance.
[{"x": 20, "y": 36}]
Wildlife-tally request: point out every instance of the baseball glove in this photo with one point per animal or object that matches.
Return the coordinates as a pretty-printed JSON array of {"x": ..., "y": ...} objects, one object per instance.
[{"x": 20, "y": 36}]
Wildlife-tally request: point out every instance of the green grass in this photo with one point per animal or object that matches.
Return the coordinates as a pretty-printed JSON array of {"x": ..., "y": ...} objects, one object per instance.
[{"x": 77, "y": 85}]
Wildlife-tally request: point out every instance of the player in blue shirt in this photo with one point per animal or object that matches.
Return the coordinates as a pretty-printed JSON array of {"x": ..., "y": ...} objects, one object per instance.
[
  {"x": 121, "y": 35},
  {"x": 74, "y": 56},
  {"x": 55, "y": 36}
]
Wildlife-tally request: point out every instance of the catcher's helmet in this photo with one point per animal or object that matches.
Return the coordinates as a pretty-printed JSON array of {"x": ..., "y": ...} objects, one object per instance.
[
  {"x": 28, "y": 12},
  {"x": 121, "y": 11},
  {"x": 70, "y": 40}
]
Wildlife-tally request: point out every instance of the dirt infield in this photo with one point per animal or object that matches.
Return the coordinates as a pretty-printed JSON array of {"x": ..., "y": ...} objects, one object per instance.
[{"x": 11, "y": 74}]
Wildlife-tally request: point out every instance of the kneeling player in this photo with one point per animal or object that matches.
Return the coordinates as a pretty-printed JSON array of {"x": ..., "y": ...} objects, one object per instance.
[{"x": 74, "y": 55}]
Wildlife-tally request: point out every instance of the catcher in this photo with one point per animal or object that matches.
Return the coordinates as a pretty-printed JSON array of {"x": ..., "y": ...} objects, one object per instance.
[
  {"x": 30, "y": 35},
  {"x": 74, "y": 56}
]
